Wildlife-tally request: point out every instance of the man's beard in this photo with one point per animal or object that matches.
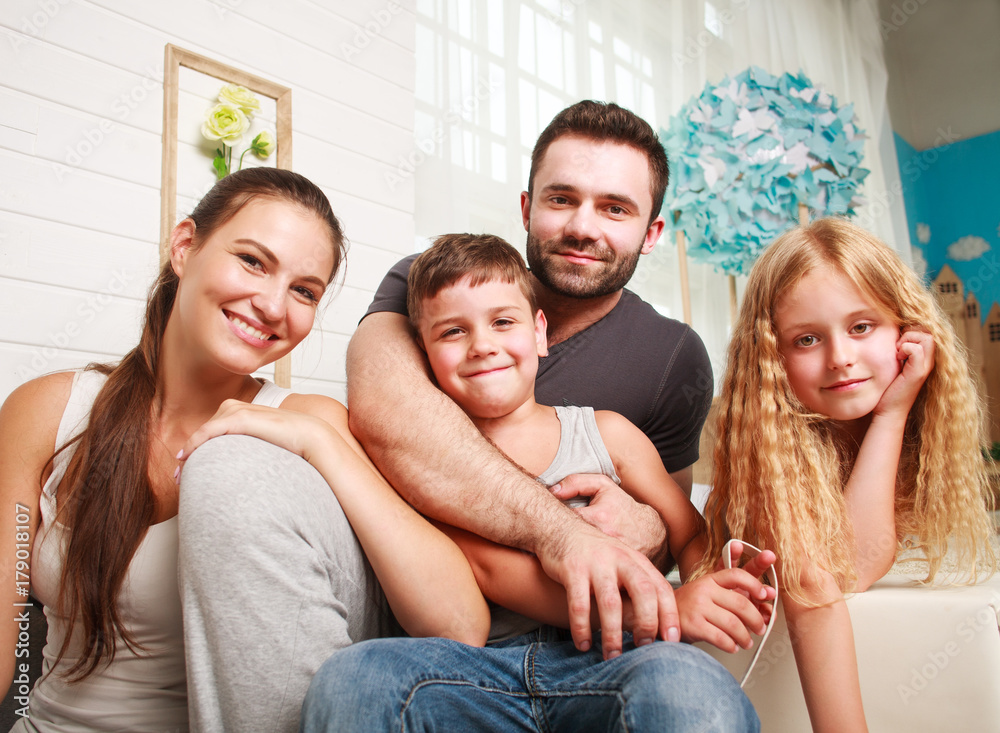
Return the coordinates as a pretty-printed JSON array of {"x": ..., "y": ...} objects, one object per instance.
[{"x": 572, "y": 281}]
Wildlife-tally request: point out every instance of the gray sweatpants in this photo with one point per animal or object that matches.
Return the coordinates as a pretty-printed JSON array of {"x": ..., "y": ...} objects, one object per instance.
[{"x": 273, "y": 581}]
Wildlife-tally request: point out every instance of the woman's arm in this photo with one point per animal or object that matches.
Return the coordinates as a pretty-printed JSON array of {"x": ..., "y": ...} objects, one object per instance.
[
  {"x": 29, "y": 422},
  {"x": 823, "y": 643},
  {"x": 426, "y": 578},
  {"x": 871, "y": 488}
]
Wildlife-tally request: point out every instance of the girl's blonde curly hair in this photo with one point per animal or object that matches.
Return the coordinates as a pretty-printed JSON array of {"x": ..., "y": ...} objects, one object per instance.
[{"x": 779, "y": 474}]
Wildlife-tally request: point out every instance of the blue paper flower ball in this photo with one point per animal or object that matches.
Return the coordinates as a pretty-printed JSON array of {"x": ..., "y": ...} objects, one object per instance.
[{"x": 746, "y": 152}]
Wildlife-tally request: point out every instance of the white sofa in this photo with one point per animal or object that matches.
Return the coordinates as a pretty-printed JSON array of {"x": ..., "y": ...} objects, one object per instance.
[{"x": 928, "y": 660}]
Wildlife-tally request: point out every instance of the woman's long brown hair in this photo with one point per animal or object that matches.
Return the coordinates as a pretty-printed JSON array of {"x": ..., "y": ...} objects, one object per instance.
[{"x": 107, "y": 494}]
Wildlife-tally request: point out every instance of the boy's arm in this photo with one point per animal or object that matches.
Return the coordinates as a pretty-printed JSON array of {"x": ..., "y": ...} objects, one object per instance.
[
  {"x": 512, "y": 578},
  {"x": 516, "y": 581},
  {"x": 435, "y": 457},
  {"x": 643, "y": 477}
]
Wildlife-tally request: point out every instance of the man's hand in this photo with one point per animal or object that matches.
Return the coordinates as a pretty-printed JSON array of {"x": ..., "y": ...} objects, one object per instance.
[
  {"x": 593, "y": 566},
  {"x": 617, "y": 514}
]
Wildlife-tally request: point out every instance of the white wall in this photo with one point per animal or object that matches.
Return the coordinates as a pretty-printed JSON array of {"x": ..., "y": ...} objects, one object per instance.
[
  {"x": 80, "y": 122},
  {"x": 943, "y": 60}
]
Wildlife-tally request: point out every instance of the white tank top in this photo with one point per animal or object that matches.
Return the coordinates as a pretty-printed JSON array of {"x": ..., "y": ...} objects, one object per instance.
[{"x": 136, "y": 692}]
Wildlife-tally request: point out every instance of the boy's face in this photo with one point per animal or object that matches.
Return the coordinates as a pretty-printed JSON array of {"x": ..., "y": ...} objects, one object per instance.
[{"x": 483, "y": 345}]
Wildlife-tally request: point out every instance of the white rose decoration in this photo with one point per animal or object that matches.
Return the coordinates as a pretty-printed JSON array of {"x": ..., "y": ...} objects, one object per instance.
[
  {"x": 225, "y": 122},
  {"x": 240, "y": 97},
  {"x": 263, "y": 144}
]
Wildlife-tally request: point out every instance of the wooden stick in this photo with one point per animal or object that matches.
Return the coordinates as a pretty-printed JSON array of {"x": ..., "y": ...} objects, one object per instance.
[
  {"x": 168, "y": 161},
  {"x": 803, "y": 214},
  {"x": 685, "y": 283},
  {"x": 733, "y": 309}
]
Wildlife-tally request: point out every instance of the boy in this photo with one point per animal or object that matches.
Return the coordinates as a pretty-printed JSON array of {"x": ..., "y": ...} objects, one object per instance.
[
  {"x": 471, "y": 303},
  {"x": 472, "y": 306}
]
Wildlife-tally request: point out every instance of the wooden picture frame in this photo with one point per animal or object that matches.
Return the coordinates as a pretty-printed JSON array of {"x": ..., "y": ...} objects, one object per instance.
[{"x": 174, "y": 59}]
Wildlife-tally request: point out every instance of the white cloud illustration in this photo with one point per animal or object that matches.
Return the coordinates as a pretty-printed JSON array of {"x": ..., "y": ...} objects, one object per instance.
[
  {"x": 923, "y": 233},
  {"x": 968, "y": 248},
  {"x": 919, "y": 261}
]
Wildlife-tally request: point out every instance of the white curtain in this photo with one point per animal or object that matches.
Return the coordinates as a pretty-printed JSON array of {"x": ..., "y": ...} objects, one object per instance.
[{"x": 490, "y": 74}]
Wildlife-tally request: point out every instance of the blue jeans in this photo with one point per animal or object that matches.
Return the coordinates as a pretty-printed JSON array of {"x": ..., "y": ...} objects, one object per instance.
[{"x": 536, "y": 682}]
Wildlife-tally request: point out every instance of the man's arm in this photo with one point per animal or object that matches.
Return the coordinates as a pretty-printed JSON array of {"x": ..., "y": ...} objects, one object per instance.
[
  {"x": 435, "y": 457},
  {"x": 681, "y": 408}
]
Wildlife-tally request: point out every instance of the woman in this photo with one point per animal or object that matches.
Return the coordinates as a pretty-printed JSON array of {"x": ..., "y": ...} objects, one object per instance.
[{"x": 246, "y": 273}]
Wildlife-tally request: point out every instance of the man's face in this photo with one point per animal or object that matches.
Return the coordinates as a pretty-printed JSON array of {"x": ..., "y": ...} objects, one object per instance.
[{"x": 588, "y": 217}]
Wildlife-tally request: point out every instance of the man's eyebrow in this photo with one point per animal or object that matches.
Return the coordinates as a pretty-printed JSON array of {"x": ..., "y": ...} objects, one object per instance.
[
  {"x": 557, "y": 187},
  {"x": 622, "y": 199},
  {"x": 273, "y": 258}
]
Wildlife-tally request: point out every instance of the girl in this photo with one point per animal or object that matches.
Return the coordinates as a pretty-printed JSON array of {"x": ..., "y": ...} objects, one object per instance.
[
  {"x": 849, "y": 430},
  {"x": 91, "y": 458}
]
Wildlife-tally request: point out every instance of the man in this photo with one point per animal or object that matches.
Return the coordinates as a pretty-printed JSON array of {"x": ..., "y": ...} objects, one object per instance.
[{"x": 596, "y": 185}]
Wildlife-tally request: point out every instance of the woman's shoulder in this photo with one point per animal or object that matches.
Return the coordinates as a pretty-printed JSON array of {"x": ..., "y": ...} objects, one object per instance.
[
  {"x": 40, "y": 400},
  {"x": 30, "y": 417},
  {"x": 317, "y": 405}
]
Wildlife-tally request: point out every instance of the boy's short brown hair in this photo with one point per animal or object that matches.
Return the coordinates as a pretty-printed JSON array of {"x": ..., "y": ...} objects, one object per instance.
[{"x": 480, "y": 257}]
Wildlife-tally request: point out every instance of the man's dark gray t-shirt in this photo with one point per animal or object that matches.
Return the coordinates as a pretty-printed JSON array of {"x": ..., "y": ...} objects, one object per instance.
[{"x": 651, "y": 369}]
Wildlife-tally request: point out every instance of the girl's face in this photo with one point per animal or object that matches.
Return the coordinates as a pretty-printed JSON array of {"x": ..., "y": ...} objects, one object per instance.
[
  {"x": 838, "y": 347},
  {"x": 249, "y": 293}
]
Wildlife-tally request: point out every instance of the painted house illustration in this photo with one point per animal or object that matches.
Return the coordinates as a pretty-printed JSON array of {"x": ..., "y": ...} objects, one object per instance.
[{"x": 981, "y": 339}]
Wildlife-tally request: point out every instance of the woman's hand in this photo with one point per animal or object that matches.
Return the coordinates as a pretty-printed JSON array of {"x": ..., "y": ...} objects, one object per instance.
[
  {"x": 296, "y": 432},
  {"x": 915, "y": 351}
]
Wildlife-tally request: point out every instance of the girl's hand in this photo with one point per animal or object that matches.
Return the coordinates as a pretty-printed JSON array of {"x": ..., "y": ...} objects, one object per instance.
[
  {"x": 293, "y": 431},
  {"x": 915, "y": 351}
]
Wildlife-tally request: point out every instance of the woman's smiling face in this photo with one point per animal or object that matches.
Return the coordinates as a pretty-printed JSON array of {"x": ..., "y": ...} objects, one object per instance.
[{"x": 248, "y": 294}]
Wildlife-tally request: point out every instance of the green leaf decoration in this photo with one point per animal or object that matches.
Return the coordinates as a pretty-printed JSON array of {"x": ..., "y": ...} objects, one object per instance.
[{"x": 219, "y": 163}]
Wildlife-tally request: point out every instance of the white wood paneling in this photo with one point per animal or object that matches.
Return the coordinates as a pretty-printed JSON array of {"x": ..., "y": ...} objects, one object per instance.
[
  {"x": 19, "y": 363},
  {"x": 45, "y": 190},
  {"x": 59, "y": 254},
  {"x": 80, "y": 126},
  {"x": 96, "y": 321}
]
